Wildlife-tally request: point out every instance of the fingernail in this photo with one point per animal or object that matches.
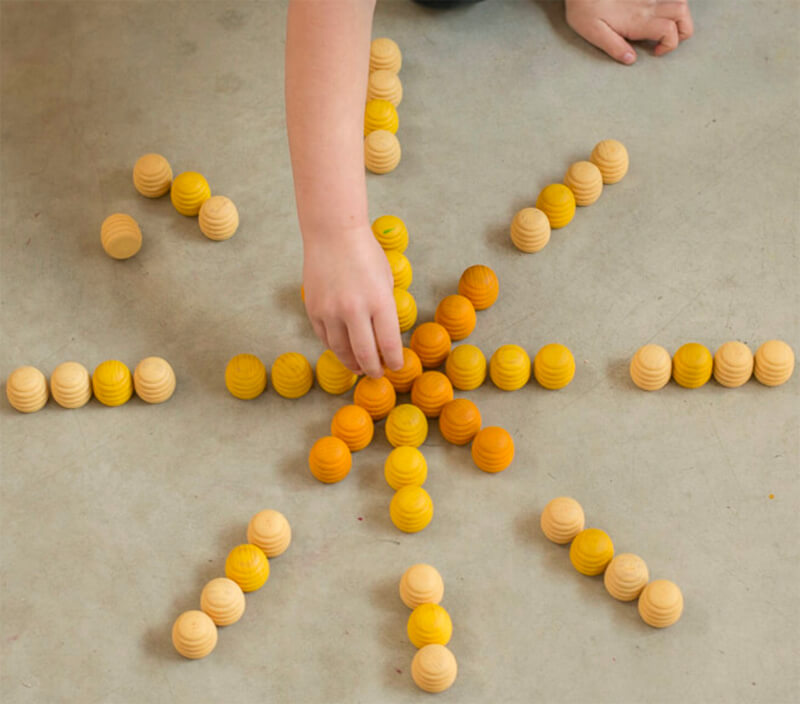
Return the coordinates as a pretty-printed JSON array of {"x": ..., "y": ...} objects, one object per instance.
[{"x": 628, "y": 57}]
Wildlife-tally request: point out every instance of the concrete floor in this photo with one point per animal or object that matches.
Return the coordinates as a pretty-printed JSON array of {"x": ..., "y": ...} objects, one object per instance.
[{"x": 113, "y": 519}]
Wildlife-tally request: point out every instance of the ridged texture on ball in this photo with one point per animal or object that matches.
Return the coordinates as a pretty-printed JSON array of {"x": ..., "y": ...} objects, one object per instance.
[
  {"x": 71, "y": 385},
  {"x": 557, "y": 202},
  {"x": 651, "y": 367},
  {"x": 391, "y": 233},
  {"x": 154, "y": 380},
  {"x": 411, "y": 509},
  {"x": 152, "y": 175},
  {"x": 466, "y": 367},
  {"x": 774, "y": 363},
  {"x": 554, "y": 366},
  {"x": 377, "y": 396},
  {"x": 330, "y": 460},
  {"x": 292, "y": 376},
  {"x": 246, "y": 376},
  {"x": 430, "y": 392},
  {"x": 611, "y": 157},
  {"x": 403, "y": 378},
  {"x": 626, "y": 576},
  {"x": 591, "y": 551},
  {"x": 429, "y": 623},
  {"x": 585, "y": 181},
  {"x": 353, "y": 425},
  {"x": 406, "y": 425},
  {"x": 562, "y": 519},
  {"x": 530, "y": 230},
  {"x": 431, "y": 342},
  {"x": 270, "y": 531},
  {"x": 26, "y": 389},
  {"x": 247, "y": 565},
  {"x": 421, "y": 584},
  {"x": 733, "y": 364},
  {"x": 332, "y": 376},
  {"x": 385, "y": 55},
  {"x": 194, "y": 634},
  {"x": 380, "y": 115},
  {"x": 385, "y": 85},
  {"x": 660, "y": 603},
  {"x": 112, "y": 383},
  {"x": 381, "y": 152},
  {"x": 692, "y": 365},
  {"x": 402, "y": 274},
  {"x": 480, "y": 284},
  {"x": 493, "y": 449},
  {"x": 434, "y": 668},
  {"x": 223, "y": 600},
  {"x": 456, "y": 314},
  {"x": 120, "y": 236},
  {"x": 510, "y": 367},
  {"x": 405, "y": 466},
  {"x": 406, "y": 309},
  {"x": 218, "y": 218},
  {"x": 459, "y": 421},
  {"x": 188, "y": 193}
]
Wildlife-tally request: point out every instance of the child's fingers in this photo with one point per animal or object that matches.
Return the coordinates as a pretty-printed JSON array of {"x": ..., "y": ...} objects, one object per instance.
[
  {"x": 604, "y": 37},
  {"x": 319, "y": 329},
  {"x": 663, "y": 31},
  {"x": 339, "y": 342},
  {"x": 679, "y": 13},
  {"x": 387, "y": 333},
  {"x": 362, "y": 341}
]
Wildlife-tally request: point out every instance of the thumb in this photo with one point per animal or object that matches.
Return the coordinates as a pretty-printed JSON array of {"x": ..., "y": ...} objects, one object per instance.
[{"x": 604, "y": 37}]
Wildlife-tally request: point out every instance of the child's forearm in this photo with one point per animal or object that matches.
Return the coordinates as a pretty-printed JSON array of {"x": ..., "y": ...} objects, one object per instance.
[{"x": 327, "y": 64}]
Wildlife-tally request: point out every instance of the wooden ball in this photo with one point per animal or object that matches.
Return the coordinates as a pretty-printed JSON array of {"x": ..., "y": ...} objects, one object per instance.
[
  {"x": 591, "y": 551},
  {"x": 530, "y": 230},
  {"x": 292, "y": 376},
  {"x": 382, "y": 152},
  {"x": 385, "y": 55},
  {"x": 332, "y": 376},
  {"x": 330, "y": 460},
  {"x": 411, "y": 509},
  {"x": 223, "y": 600},
  {"x": 246, "y": 376},
  {"x": 554, "y": 366},
  {"x": 429, "y": 623},
  {"x": 421, "y": 584},
  {"x": 480, "y": 284},
  {"x": 493, "y": 449},
  {"x": 218, "y": 218},
  {"x": 562, "y": 519},
  {"x": 154, "y": 380},
  {"x": 270, "y": 531},
  {"x": 406, "y": 425},
  {"x": 354, "y": 426},
  {"x": 651, "y": 367},
  {"x": 626, "y": 576},
  {"x": 405, "y": 466},
  {"x": 403, "y": 378},
  {"x": 466, "y": 367},
  {"x": 510, "y": 367},
  {"x": 406, "y": 309},
  {"x": 430, "y": 392},
  {"x": 380, "y": 115},
  {"x": 611, "y": 157},
  {"x": 692, "y": 365},
  {"x": 459, "y": 421},
  {"x": 402, "y": 273},
  {"x": 377, "y": 396},
  {"x": 188, "y": 193},
  {"x": 661, "y": 603},
  {"x": 194, "y": 634},
  {"x": 247, "y": 565},
  {"x": 434, "y": 668},
  {"x": 431, "y": 342},
  {"x": 456, "y": 314},
  {"x": 557, "y": 202},
  {"x": 391, "y": 233},
  {"x": 26, "y": 389},
  {"x": 733, "y": 364},
  {"x": 120, "y": 236},
  {"x": 152, "y": 175},
  {"x": 112, "y": 383},
  {"x": 71, "y": 385},
  {"x": 774, "y": 363},
  {"x": 585, "y": 181},
  {"x": 385, "y": 85}
]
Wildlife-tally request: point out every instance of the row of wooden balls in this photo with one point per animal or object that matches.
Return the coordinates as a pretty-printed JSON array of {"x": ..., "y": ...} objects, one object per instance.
[
  {"x": 382, "y": 150},
  {"x": 625, "y": 576},
  {"x": 555, "y": 205},
  {"x": 434, "y": 667},
  {"x": 71, "y": 386},
  {"x": 222, "y": 602},
  {"x": 218, "y": 217},
  {"x": 692, "y": 365}
]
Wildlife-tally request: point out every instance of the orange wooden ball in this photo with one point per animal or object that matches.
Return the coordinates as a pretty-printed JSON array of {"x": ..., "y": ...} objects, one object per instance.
[
  {"x": 330, "y": 460},
  {"x": 354, "y": 425},
  {"x": 457, "y": 315},
  {"x": 377, "y": 396},
  {"x": 403, "y": 378},
  {"x": 493, "y": 449},
  {"x": 430, "y": 392},
  {"x": 480, "y": 284},
  {"x": 459, "y": 421},
  {"x": 431, "y": 342}
]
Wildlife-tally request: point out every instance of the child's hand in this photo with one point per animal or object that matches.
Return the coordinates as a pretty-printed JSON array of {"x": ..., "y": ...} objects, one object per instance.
[
  {"x": 606, "y": 24},
  {"x": 348, "y": 289}
]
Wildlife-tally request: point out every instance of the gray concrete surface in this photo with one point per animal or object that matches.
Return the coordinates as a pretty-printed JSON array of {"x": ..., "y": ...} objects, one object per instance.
[{"x": 113, "y": 519}]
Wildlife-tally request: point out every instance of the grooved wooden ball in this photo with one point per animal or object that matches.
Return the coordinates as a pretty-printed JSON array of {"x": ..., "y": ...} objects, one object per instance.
[
  {"x": 530, "y": 230},
  {"x": 152, "y": 175},
  {"x": 26, "y": 389},
  {"x": 120, "y": 236},
  {"x": 218, "y": 218},
  {"x": 270, "y": 531},
  {"x": 194, "y": 634},
  {"x": 223, "y": 600},
  {"x": 71, "y": 385}
]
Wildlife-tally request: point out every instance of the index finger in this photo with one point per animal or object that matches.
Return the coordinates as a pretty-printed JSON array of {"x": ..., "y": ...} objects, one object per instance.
[{"x": 387, "y": 333}]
